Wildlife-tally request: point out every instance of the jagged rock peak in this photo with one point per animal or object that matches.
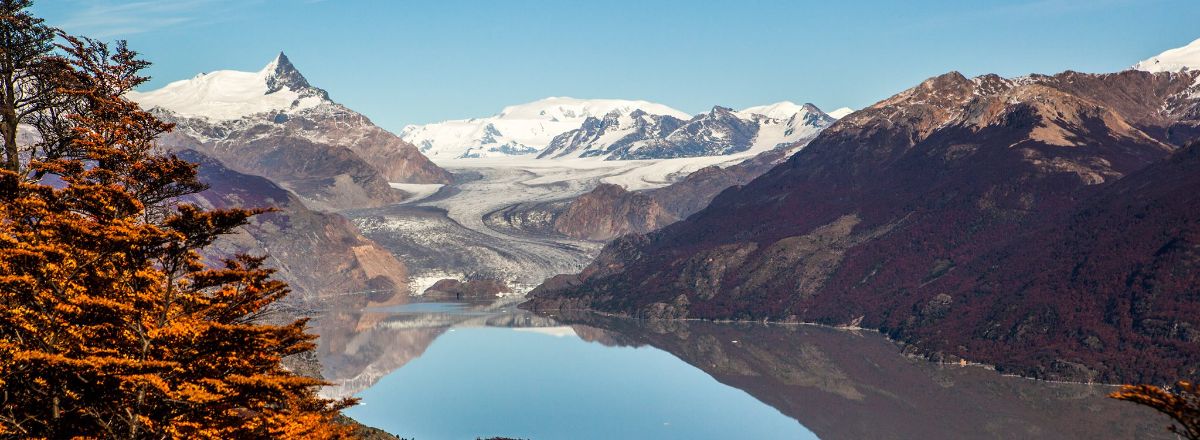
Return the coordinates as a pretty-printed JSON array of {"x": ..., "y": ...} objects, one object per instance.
[{"x": 282, "y": 73}]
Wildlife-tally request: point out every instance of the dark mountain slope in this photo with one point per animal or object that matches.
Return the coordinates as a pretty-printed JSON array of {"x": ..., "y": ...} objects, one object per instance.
[
  {"x": 914, "y": 216},
  {"x": 347, "y": 268}
]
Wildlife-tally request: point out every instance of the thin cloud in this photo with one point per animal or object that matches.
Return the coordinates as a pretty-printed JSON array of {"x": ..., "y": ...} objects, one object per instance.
[{"x": 113, "y": 18}]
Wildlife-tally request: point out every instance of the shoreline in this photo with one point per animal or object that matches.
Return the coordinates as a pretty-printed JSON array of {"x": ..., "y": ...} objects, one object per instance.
[{"x": 922, "y": 356}]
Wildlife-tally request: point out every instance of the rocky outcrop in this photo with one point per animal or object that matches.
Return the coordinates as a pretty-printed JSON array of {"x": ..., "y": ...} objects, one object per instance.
[
  {"x": 473, "y": 289},
  {"x": 336, "y": 125},
  {"x": 610, "y": 211},
  {"x": 324, "y": 177},
  {"x": 980, "y": 229},
  {"x": 320, "y": 255},
  {"x": 685, "y": 197}
]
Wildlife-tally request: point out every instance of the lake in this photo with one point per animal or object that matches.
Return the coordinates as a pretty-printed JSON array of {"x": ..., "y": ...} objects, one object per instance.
[{"x": 466, "y": 370}]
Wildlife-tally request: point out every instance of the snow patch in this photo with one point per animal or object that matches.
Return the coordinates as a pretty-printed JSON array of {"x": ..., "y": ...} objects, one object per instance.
[
  {"x": 778, "y": 110},
  {"x": 840, "y": 113},
  {"x": 1173, "y": 60}
]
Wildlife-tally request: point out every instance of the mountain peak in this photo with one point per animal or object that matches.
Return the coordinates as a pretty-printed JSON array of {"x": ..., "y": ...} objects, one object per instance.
[
  {"x": 562, "y": 108},
  {"x": 279, "y": 60},
  {"x": 231, "y": 94},
  {"x": 282, "y": 73},
  {"x": 780, "y": 110},
  {"x": 1173, "y": 60},
  {"x": 720, "y": 109}
]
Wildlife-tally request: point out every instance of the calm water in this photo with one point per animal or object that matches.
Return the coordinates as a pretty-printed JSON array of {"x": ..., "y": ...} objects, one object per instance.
[
  {"x": 459, "y": 371},
  {"x": 485, "y": 381}
]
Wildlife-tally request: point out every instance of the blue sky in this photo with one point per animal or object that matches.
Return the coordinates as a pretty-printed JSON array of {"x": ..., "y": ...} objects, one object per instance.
[{"x": 403, "y": 62}]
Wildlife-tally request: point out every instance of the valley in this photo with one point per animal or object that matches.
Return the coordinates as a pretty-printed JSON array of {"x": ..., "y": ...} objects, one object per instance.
[
  {"x": 778, "y": 212},
  {"x": 455, "y": 233},
  {"x": 635, "y": 220}
]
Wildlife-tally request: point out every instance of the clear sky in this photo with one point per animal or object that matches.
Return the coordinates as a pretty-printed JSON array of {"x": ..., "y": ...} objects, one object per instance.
[{"x": 402, "y": 62}]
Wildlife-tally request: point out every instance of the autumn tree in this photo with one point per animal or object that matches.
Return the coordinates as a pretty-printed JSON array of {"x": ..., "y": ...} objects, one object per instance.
[
  {"x": 111, "y": 326},
  {"x": 26, "y": 90},
  {"x": 1181, "y": 403}
]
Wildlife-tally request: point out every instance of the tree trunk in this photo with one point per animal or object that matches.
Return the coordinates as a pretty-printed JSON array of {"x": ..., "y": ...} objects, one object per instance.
[
  {"x": 12, "y": 155},
  {"x": 8, "y": 115}
]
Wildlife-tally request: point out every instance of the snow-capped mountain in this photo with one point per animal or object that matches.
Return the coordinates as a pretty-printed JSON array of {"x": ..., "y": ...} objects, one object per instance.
[
  {"x": 601, "y": 137},
  {"x": 520, "y": 129},
  {"x": 229, "y": 94},
  {"x": 273, "y": 123},
  {"x": 1174, "y": 60},
  {"x": 721, "y": 131},
  {"x": 840, "y": 113},
  {"x": 785, "y": 123}
]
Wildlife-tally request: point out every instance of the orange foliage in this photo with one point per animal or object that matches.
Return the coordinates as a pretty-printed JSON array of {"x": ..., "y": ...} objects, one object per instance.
[
  {"x": 1181, "y": 403},
  {"x": 110, "y": 325}
]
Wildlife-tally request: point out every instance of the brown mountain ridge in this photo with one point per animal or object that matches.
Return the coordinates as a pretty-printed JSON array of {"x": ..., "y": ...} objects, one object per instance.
[{"x": 1045, "y": 224}]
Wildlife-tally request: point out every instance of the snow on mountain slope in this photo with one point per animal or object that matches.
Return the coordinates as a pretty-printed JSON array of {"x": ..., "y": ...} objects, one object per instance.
[
  {"x": 1174, "y": 60},
  {"x": 840, "y": 113},
  {"x": 227, "y": 94},
  {"x": 785, "y": 123},
  {"x": 273, "y": 123},
  {"x": 519, "y": 129},
  {"x": 611, "y": 135},
  {"x": 778, "y": 110},
  {"x": 719, "y": 132}
]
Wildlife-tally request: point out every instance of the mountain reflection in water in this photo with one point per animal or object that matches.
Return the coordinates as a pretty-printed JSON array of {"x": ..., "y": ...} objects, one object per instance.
[{"x": 836, "y": 383}]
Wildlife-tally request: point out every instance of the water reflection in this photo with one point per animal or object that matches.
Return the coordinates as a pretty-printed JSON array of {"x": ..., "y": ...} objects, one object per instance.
[
  {"x": 358, "y": 347},
  {"x": 856, "y": 385},
  {"x": 838, "y": 384}
]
